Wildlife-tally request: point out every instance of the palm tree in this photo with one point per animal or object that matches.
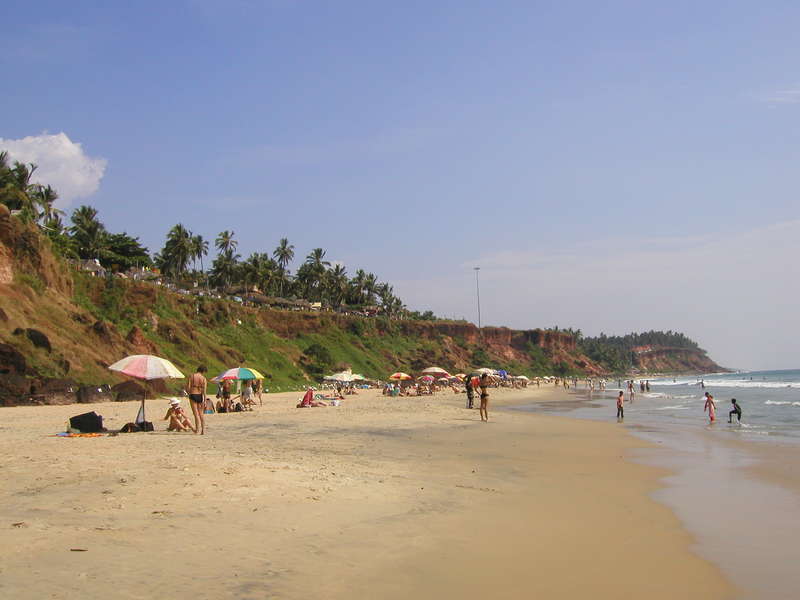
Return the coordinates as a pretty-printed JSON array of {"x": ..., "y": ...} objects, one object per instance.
[
  {"x": 177, "y": 251},
  {"x": 199, "y": 249},
  {"x": 42, "y": 200},
  {"x": 284, "y": 253},
  {"x": 370, "y": 287},
  {"x": 357, "y": 287},
  {"x": 336, "y": 285},
  {"x": 315, "y": 267},
  {"x": 88, "y": 232},
  {"x": 225, "y": 242}
]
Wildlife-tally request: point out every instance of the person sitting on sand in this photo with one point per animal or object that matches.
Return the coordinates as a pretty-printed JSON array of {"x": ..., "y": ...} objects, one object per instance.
[
  {"x": 308, "y": 400},
  {"x": 247, "y": 395},
  {"x": 226, "y": 395},
  {"x": 178, "y": 421},
  {"x": 208, "y": 406}
]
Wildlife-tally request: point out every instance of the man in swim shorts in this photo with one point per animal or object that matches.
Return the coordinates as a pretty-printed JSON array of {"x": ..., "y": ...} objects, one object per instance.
[{"x": 620, "y": 406}]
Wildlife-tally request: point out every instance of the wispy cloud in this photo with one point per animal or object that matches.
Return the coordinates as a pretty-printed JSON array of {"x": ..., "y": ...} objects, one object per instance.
[
  {"x": 733, "y": 292},
  {"x": 781, "y": 97},
  {"x": 338, "y": 150}
]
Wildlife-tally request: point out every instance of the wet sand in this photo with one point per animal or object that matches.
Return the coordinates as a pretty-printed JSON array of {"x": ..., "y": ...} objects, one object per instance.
[
  {"x": 738, "y": 498},
  {"x": 377, "y": 498}
]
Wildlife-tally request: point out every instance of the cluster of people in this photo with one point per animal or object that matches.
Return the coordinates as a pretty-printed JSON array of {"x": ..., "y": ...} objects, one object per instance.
[
  {"x": 197, "y": 390},
  {"x": 710, "y": 407},
  {"x": 481, "y": 383}
]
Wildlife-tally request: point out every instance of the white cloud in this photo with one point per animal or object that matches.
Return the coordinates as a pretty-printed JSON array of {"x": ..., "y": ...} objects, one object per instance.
[{"x": 61, "y": 164}]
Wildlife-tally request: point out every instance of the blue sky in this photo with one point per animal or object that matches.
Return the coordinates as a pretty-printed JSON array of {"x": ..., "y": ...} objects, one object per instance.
[{"x": 611, "y": 166}]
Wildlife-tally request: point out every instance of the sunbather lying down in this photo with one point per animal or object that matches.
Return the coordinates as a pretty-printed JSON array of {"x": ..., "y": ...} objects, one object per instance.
[{"x": 308, "y": 400}]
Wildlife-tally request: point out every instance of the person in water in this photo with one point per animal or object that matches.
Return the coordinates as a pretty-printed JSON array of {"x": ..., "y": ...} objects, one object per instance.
[
  {"x": 620, "y": 406},
  {"x": 711, "y": 408},
  {"x": 737, "y": 410}
]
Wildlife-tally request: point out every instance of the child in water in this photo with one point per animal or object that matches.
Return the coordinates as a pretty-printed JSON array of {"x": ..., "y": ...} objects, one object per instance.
[{"x": 737, "y": 410}]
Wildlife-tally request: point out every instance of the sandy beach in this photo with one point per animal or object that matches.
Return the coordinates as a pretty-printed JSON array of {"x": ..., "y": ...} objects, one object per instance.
[{"x": 377, "y": 498}]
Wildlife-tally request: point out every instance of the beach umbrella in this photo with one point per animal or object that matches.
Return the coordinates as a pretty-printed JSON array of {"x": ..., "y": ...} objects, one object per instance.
[
  {"x": 239, "y": 373},
  {"x": 460, "y": 375},
  {"x": 358, "y": 377},
  {"x": 444, "y": 380},
  {"x": 486, "y": 370},
  {"x": 522, "y": 377},
  {"x": 426, "y": 378},
  {"x": 400, "y": 376},
  {"x": 146, "y": 367},
  {"x": 435, "y": 371},
  {"x": 343, "y": 376}
]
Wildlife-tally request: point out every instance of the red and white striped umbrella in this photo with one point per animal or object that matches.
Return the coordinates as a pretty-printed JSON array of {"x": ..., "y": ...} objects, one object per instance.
[{"x": 147, "y": 367}]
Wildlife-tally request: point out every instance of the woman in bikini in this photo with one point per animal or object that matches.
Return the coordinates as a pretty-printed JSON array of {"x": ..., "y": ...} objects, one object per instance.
[
  {"x": 484, "y": 398},
  {"x": 196, "y": 388}
]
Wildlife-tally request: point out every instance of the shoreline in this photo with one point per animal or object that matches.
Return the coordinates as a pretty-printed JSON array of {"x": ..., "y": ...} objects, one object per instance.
[
  {"x": 738, "y": 497},
  {"x": 378, "y": 497}
]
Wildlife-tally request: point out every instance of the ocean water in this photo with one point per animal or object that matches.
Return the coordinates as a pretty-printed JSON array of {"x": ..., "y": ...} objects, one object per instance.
[{"x": 770, "y": 402}]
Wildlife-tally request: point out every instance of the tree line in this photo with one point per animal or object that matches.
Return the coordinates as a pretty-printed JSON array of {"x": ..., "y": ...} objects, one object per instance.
[
  {"x": 86, "y": 237},
  {"x": 618, "y": 353}
]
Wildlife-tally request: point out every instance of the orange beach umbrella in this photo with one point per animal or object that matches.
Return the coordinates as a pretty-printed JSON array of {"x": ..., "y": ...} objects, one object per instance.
[{"x": 400, "y": 376}]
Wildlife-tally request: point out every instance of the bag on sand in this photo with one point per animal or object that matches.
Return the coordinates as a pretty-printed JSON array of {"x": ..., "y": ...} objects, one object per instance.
[
  {"x": 129, "y": 428},
  {"x": 89, "y": 422},
  {"x": 146, "y": 426}
]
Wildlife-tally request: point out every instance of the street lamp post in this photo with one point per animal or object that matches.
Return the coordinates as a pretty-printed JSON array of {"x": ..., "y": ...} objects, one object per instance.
[{"x": 478, "y": 292}]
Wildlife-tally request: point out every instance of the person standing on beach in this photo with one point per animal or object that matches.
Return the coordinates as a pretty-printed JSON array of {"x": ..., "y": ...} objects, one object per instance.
[
  {"x": 630, "y": 390},
  {"x": 737, "y": 410},
  {"x": 196, "y": 388},
  {"x": 711, "y": 408},
  {"x": 484, "y": 398},
  {"x": 470, "y": 393},
  {"x": 621, "y": 406}
]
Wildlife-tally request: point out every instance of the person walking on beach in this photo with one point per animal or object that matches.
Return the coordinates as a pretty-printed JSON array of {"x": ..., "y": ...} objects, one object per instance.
[
  {"x": 737, "y": 410},
  {"x": 621, "y": 406},
  {"x": 711, "y": 408},
  {"x": 196, "y": 388},
  {"x": 484, "y": 398},
  {"x": 630, "y": 390}
]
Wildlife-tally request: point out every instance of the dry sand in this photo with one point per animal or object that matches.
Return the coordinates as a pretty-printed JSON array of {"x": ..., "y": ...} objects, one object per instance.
[{"x": 377, "y": 498}]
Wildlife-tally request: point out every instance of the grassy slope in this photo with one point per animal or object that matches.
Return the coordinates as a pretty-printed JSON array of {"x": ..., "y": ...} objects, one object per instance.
[{"x": 293, "y": 348}]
